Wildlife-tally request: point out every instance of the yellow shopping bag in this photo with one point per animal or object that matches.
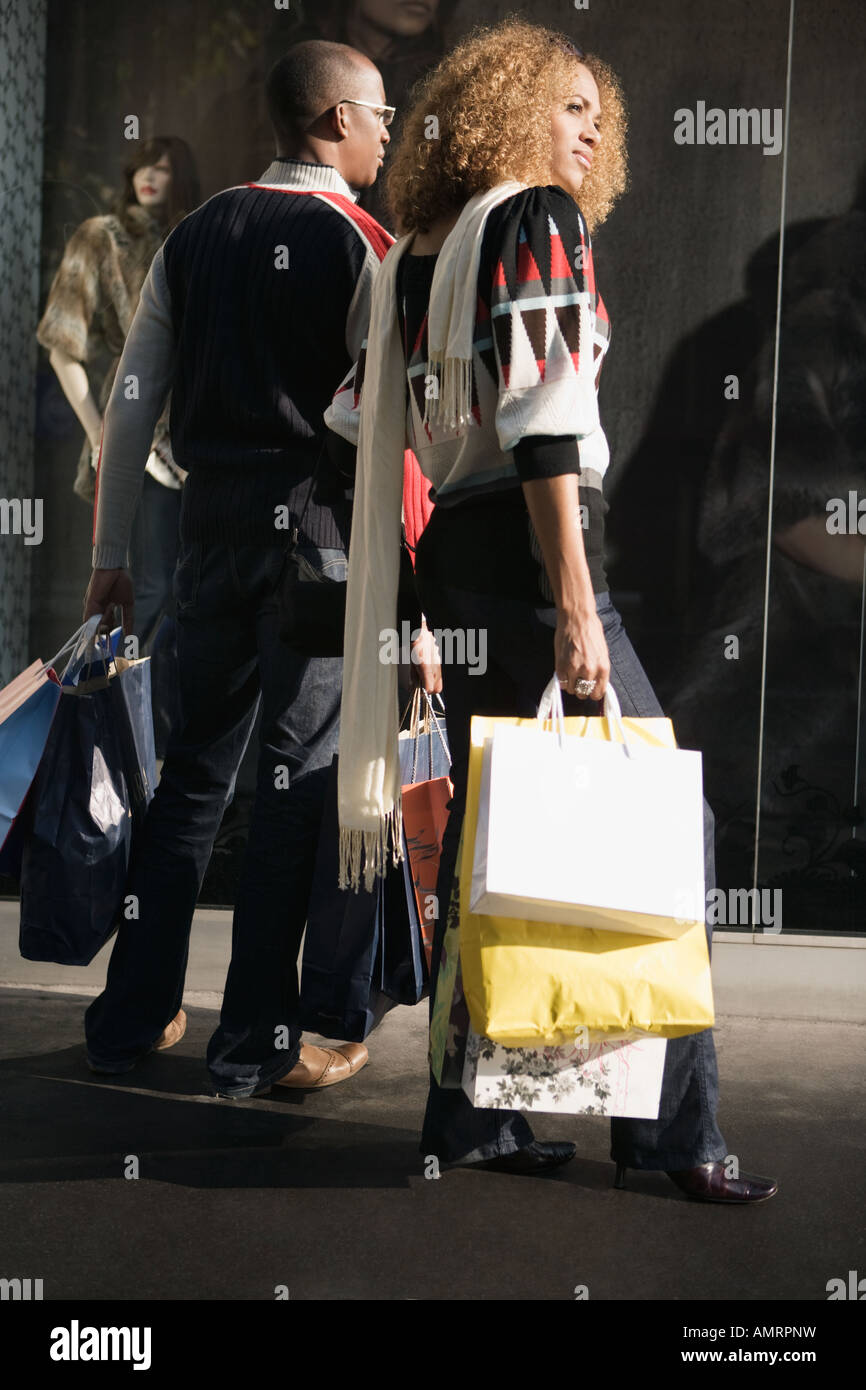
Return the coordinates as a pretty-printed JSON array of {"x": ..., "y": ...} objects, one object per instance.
[{"x": 533, "y": 983}]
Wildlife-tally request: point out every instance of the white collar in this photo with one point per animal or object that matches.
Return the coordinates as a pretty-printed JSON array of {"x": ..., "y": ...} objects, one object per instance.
[{"x": 296, "y": 174}]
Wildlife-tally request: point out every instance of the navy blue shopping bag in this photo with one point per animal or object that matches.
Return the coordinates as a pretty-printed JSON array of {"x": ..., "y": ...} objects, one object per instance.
[
  {"x": 90, "y": 792},
  {"x": 362, "y": 951},
  {"x": 342, "y": 976}
]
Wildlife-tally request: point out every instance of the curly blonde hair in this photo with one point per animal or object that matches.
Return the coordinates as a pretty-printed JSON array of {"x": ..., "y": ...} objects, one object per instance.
[{"x": 493, "y": 96}]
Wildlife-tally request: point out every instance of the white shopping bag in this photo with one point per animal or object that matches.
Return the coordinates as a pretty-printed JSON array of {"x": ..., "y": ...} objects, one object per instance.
[
  {"x": 601, "y": 1078},
  {"x": 589, "y": 832}
]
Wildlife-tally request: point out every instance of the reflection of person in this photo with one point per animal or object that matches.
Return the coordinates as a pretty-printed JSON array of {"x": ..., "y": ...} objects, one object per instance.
[
  {"x": 816, "y": 582},
  {"x": 491, "y": 295},
  {"x": 401, "y": 36},
  {"x": 90, "y": 307},
  {"x": 252, "y": 312}
]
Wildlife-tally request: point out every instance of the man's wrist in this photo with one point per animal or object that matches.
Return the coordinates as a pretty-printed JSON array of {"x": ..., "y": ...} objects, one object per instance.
[{"x": 110, "y": 557}]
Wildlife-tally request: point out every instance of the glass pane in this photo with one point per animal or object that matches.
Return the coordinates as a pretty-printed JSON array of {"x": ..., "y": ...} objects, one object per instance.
[
  {"x": 811, "y": 840},
  {"x": 688, "y": 267}
]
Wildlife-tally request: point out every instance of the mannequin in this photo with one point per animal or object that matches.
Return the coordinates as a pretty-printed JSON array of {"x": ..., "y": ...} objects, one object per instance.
[
  {"x": 90, "y": 307},
  {"x": 151, "y": 183}
]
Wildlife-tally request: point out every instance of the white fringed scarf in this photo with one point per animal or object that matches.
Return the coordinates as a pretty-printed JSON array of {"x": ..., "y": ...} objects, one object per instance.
[{"x": 369, "y": 768}]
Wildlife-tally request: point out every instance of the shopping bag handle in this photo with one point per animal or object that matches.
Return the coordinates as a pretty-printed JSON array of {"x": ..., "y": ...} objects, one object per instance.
[
  {"x": 414, "y": 724},
  {"x": 80, "y": 640},
  {"x": 88, "y": 646},
  {"x": 425, "y": 722},
  {"x": 550, "y": 707},
  {"x": 433, "y": 719}
]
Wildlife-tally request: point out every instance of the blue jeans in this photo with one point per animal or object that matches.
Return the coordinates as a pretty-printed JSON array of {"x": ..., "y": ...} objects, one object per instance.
[
  {"x": 153, "y": 550},
  {"x": 230, "y": 659},
  {"x": 153, "y": 555},
  {"x": 519, "y": 666}
]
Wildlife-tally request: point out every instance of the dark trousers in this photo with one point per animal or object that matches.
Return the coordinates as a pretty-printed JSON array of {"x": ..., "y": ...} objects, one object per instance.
[
  {"x": 153, "y": 550},
  {"x": 230, "y": 659},
  {"x": 153, "y": 555},
  {"x": 519, "y": 666}
]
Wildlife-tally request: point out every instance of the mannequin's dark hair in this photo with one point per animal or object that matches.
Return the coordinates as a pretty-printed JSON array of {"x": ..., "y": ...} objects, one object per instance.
[{"x": 184, "y": 193}]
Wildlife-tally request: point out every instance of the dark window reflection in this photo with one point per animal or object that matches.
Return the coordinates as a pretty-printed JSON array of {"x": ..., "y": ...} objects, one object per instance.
[{"x": 810, "y": 843}]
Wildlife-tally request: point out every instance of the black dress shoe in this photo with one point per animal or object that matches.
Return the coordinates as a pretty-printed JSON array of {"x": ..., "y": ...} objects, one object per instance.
[
  {"x": 709, "y": 1183},
  {"x": 536, "y": 1157}
]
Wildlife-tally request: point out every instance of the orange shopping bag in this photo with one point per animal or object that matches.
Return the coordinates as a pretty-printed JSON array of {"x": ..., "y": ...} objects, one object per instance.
[{"x": 425, "y": 816}]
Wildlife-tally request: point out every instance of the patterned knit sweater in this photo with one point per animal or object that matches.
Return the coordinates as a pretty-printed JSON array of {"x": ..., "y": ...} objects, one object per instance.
[{"x": 541, "y": 332}]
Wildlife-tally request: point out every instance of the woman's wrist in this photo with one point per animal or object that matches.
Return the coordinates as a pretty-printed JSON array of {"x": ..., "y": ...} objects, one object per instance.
[
  {"x": 577, "y": 618},
  {"x": 553, "y": 505},
  {"x": 572, "y": 587}
]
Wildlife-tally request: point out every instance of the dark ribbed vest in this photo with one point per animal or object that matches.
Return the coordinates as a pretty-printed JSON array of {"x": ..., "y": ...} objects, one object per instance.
[{"x": 260, "y": 282}]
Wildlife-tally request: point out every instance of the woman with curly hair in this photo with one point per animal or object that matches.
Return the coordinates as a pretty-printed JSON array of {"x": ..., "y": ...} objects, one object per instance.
[{"x": 486, "y": 341}]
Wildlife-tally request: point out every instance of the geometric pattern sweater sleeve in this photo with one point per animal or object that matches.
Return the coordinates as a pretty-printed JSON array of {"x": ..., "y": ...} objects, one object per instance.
[
  {"x": 540, "y": 335},
  {"x": 548, "y": 325}
]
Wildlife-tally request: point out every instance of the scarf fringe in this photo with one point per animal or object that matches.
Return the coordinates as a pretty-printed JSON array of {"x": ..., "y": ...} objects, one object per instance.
[
  {"x": 451, "y": 407},
  {"x": 369, "y": 774},
  {"x": 370, "y": 849}
]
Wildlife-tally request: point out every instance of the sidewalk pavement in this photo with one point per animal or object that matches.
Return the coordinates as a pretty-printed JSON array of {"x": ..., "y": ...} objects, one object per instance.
[{"x": 326, "y": 1193}]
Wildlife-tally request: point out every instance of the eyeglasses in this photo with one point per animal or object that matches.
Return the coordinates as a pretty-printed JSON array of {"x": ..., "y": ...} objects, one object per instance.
[{"x": 385, "y": 113}]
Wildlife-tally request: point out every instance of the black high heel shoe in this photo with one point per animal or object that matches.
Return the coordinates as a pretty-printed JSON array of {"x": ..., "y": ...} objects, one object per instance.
[{"x": 709, "y": 1182}]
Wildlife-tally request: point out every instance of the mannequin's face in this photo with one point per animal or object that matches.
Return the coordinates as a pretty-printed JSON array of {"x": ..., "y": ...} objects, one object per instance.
[
  {"x": 575, "y": 131},
  {"x": 151, "y": 183},
  {"x": 403, "y": 19}
]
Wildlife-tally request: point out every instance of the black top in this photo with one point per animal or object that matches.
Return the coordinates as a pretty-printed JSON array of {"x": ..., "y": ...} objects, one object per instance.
[
  {"x": 261, "y": 284},
  {"x": 487, "y": 544}
]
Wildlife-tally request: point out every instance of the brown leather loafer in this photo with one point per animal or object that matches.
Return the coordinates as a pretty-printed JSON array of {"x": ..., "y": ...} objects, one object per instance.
[
  {"x": 172, "y": 1033},
  {"x": 324, "y": 1066},
  {"x": 709, "y": 1183}
]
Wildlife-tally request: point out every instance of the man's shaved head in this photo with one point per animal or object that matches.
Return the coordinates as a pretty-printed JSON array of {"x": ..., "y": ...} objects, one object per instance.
[{"x": 311, "y": 78}]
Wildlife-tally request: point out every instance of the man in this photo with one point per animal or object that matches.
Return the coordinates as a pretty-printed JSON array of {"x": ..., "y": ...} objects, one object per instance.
[
  {"x": 404, "y": 38},
  {"x": 251, "y": 314}
]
